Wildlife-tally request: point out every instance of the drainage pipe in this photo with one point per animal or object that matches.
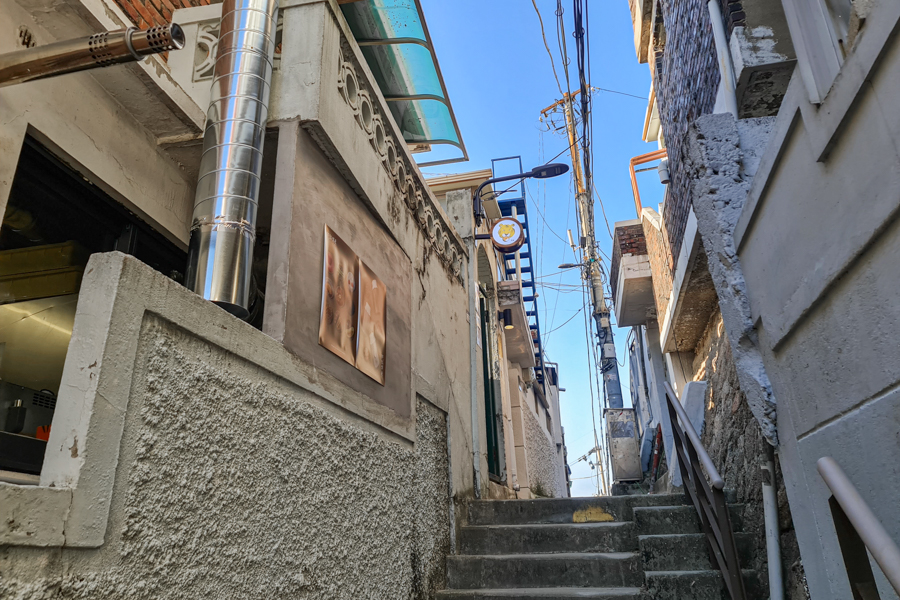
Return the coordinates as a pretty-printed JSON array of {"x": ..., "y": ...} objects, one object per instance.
[
  {"x": 473, "y": 365},
  {"x": 723, "y": 53},
  {"x": 770, "y": 510},
  {"x": 223, "y": 228}
]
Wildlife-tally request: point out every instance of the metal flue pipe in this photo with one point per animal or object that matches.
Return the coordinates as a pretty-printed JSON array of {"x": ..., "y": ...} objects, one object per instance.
[
  {"x": 99, "y": 50},
  {"x": 223, "y": 228}
]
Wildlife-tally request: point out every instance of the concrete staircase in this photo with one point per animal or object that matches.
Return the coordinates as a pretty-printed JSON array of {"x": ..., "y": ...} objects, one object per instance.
[{"x": 611, "y": 548}]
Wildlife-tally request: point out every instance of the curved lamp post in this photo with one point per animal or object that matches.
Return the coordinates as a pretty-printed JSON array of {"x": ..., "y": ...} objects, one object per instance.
[{"x": 543, "y": 172}]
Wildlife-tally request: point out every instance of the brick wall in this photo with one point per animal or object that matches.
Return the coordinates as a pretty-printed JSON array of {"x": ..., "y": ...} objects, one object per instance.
[
  {"x": 686, "y": 79},
  {"x": 733, "y": 13},
  {"x": 660, "y": 265},
  {"x": 147, "y": 13},
  {"x": 629, "y": 240}
]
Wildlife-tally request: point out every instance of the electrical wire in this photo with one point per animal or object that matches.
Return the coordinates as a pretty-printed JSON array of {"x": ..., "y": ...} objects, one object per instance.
[
  {"x": 564, "y": 323},
  {"x": 544, "y": 36},
  {"x": 517, "y": 181},
  {"x": 603, "y": 211},
  {"x": 616, "y": 91}
]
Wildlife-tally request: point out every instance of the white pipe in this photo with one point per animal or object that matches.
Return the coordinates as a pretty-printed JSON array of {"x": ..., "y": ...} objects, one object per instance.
[
  {"x": 773, "y": 544},
  {"x": 727, "y": 84},
  {"x": 473, "y": 365}
]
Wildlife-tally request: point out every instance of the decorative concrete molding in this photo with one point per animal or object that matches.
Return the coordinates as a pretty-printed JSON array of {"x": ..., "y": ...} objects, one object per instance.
[
  {"x": 374, "y": 123},
  {"x": 368, "y": 108},
  {"x": 207, "y": 44},
  {"x": 205, "y": 50}
]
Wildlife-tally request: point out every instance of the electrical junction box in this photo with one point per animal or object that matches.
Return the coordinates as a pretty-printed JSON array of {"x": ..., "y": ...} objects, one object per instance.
[
  {"x": 604, "y": 322},
  {"x": 609, "y": 350},
  {"x": 623, "y": 444}
]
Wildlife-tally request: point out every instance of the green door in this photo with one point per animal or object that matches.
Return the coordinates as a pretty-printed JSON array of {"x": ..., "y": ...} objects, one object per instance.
[{"x": 491, "y": 414}]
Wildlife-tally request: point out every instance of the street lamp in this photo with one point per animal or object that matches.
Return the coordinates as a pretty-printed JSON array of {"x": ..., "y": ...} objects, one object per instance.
[
  {"x": 542, "y": 172},
  {"x": 568, "y": 266}
]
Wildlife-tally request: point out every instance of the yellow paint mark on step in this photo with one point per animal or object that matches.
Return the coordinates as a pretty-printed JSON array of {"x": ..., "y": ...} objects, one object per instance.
[{"x": 593, "y": 514}]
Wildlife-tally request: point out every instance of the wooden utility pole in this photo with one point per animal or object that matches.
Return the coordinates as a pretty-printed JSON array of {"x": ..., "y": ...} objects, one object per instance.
[{"x": 608, "y": 364}]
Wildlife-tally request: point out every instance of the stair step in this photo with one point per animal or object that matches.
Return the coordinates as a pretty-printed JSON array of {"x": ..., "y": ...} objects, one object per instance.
[
  {"x": 699, "y": 585},
  {"x": 533, "y": 539},
  {"x": 560, "y": 593},
  {"x": 566, "y": 510},
  {"x": 545, "y": 570},
  {"x": 659, "y": 520},
  {"x": 687, "y": 551}
]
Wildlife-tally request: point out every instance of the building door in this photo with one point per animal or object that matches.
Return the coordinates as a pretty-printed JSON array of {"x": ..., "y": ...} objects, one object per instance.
[{"x": 491, "y": 401}]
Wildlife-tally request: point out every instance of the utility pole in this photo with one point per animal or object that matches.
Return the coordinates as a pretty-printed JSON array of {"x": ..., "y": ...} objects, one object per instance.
[{"x": 609, "y": 366}]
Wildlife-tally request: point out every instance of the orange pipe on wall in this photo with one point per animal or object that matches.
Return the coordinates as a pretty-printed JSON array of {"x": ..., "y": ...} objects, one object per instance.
[{"x": 639, "y": 160}]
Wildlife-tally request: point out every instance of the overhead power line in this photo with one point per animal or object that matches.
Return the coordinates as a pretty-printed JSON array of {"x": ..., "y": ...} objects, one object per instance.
[{"x": 547, "y": 46}]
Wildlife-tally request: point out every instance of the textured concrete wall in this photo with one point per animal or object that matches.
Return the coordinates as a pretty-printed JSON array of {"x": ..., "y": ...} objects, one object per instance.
[
  {"x": 723, "y": 162},
  {"x": 543, "y": 461},
  {"x": 230, "y": 483}
]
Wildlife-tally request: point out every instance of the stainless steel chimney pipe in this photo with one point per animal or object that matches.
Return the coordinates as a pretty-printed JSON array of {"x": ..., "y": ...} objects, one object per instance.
[
  {"x": 223, "y": 228},
  {"x": 99, "y": 50}
]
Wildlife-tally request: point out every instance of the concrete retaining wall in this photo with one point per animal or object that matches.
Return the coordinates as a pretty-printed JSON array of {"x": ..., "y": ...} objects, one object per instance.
[
  {"x": 733, "y": 438},
  {"x": 233, "y": 477}
]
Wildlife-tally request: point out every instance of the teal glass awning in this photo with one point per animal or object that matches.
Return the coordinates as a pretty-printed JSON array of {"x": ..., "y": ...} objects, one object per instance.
[{"x": 394, "y": 40}]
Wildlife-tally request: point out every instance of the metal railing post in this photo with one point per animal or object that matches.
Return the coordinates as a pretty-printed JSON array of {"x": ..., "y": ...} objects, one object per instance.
[{"x": 708, "y": 497}]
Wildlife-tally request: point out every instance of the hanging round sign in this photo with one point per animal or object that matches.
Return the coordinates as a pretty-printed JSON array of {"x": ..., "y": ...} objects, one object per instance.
[{"x": 507, "y": 234}]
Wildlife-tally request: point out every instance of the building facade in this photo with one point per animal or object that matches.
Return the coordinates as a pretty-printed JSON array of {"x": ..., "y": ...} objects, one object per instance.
[
  {"x": 759, "y": 277},
  {"x": 525, "y": 450}
]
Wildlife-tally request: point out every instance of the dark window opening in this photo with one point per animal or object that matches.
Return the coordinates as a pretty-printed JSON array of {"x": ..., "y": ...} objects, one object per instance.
[
  {"x": 260, "y": 267},
  {"x": 54, "y": 220}
]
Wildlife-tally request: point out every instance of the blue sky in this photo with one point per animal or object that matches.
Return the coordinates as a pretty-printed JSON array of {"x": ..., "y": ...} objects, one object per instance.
[{"x": 499, "y": 78}]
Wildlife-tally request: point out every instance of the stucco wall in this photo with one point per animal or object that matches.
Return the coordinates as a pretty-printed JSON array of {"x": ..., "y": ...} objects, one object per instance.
[
  {"x": 819, "y": 240},
  {"x": 232, "y": 484},
  {"x": 543, "y": 463}
]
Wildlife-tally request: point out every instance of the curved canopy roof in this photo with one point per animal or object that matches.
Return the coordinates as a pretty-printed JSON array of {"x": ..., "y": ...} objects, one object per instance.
[{"x": 394, "y": 39}]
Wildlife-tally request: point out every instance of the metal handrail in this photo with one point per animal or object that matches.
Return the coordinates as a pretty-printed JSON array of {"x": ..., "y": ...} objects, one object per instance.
[
  {"x": 867, "y": 527},
  {"x": 708, "y": 497},
  {"x": 714, "y": 478}
]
